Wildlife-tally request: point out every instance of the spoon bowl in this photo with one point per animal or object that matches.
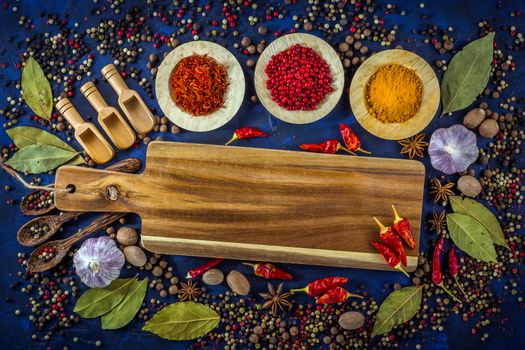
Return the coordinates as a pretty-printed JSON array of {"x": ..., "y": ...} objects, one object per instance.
[
  {"x": 49, "y": 225},
  {"x": 35, "y": 211}
]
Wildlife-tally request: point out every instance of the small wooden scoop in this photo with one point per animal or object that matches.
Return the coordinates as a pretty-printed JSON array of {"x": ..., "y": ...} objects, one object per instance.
[
  {"x": 130, "y": 165},
  {"x": 130, "y": 101},
  {"x": 86, "y": 133},
  {"x": 60, "y": 247},
  {"x": 109, "y": 118}
]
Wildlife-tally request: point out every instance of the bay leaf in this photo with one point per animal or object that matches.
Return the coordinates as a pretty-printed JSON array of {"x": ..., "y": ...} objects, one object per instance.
[
  {"x": 78, "y": 160},
  {"x": 183, "y": 321},
  {"x": 400, "y": 306},
  {"x": 36, "y": 89},
  {"x": 483, "y": 215},
  {"x": 124, "y": 312},
  {"x": 467, "y": 74},
  {"x": 99, "y": 301},
  {"x": 36, "y": 159},
  {"x": 471, "y": 237}
]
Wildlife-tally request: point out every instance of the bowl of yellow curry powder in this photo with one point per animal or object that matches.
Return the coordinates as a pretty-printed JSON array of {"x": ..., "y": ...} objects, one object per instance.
[{"x": 394, "y": 94}]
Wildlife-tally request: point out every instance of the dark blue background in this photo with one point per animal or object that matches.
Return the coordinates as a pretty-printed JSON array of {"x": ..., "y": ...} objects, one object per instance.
[{"x": 462, "y": 15}]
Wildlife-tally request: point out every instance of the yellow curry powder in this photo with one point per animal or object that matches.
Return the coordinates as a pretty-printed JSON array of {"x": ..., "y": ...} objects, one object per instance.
[{"x": 393, "y": 94}]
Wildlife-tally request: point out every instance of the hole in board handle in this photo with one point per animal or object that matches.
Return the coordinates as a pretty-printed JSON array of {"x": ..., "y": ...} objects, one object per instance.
[{"x": 71, "y": 188}]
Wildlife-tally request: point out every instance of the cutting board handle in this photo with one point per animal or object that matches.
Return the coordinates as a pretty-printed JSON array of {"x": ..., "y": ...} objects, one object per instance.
[{"x": 84, "y": 189}]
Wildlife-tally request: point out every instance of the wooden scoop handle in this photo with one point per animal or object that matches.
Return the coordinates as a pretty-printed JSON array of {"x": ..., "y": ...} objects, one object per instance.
[
  {"x": 114, "y": 79},
  {"x": 94, "y": 97},
  {"x": 83, "y": 189}
]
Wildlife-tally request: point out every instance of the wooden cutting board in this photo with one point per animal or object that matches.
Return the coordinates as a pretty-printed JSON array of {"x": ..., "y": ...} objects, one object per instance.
[{"x": 255, "y": 204}]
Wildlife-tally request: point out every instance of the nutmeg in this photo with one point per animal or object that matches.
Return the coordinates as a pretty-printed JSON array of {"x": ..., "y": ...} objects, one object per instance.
[
  {"x": 474, "y": 117},
  {"x": 127, "y": 235},
  {"x": 489, "y": 128}
]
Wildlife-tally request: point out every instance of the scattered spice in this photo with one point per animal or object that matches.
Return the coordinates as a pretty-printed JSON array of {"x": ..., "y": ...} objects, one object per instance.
[
  {"x": 298, "y": 78},
  {"x": 350, "y": 139},
  {"x": 196, "y": 272},
  {"x": 321, "y": 285},
  {"x": 269, "y": 271},
  {"x": 392, "y": 241},
  {"x": 328, "y": 146},
  {"x": 453, "y": 268},
  {"x": 390, "y": 257},
  {"x": 437, "y": 276},
  {"x": 246, "y": 133},
  {"x": 441, "y": 191},
  {"x": 275, "y": 298},
  {"x": 198, "y": 85},
  {"x": 394, "y": 93},
  {"x": 438, "y": 222},
  {"x": 414, "y": 146},
  {"x": 336, "y": 295},
  {"x": 189, "y": 291},
  {"x": 403, "y": 229}
]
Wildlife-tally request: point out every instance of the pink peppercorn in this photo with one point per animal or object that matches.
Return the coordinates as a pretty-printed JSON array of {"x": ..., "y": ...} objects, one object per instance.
[{"x": 298, "y": 78}]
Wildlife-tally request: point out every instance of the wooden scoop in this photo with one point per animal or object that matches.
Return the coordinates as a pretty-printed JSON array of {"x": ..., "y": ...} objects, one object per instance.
[
  {"x": 109, "y": 118},
  {"x": 130, "y": 165},
  {"x": 130, "y": 101},
  {"x": 62, "y": 246},
  {"x": 86, "y": 133}
]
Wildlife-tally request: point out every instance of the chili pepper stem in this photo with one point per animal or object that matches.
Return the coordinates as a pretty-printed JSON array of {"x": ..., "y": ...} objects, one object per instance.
[
  {"x": 299, "y": 290},
  {"x": 234, "y": 137},
  {"x": 249, "y": 264},
  {"x": 363, "y": 150},
  {"x": 400, "y": 268},
  {"x": 460, "y": 287},
  {"x": 397, "y": 217},
  {"x": 382, "y": 227},
  {"x": 345, "y": 149},
  {"x": 354, "y": 295},
  {"x": 449, "y": 292}
]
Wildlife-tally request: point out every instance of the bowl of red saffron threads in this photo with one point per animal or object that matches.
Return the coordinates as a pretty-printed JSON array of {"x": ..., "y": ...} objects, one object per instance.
[
  {"x": 200, "y": 86},
  {"x": 299, "y": 78}
]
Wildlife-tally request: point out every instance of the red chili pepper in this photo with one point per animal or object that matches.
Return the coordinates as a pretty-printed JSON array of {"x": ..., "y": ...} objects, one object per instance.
[
  {"x": 351, "y": 140},
  {"x": 246, "y": 133},
  {"x": 392, "y": 240},
  {"x": 403, "y": 228},
  {"x": 453, "y": 268},
  {"x": 196, "y": 272},
  {"x": 321, "y": 285},
  {"x": 328, "y": 146},
  {"x": 336, "y": 295},
  {"x": 390, "y": 256},
  {"x": 269, "y": 271},
  {"x": 437, "y": 276}
]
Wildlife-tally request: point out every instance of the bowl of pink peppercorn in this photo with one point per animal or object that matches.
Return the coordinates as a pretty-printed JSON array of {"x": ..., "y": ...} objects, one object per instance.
[{"x": 299, "y": 78}]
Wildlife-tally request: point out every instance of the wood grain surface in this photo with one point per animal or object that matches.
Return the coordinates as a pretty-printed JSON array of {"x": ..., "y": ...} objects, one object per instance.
[
  {"x": 323, "y": 49},
  {"x": 232, "y": 100},
  {"x": 256, "y": 204},
  {"x": 429, "y": 101}
]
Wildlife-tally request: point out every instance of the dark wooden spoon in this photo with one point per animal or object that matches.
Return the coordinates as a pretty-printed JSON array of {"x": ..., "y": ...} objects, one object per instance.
[
  {"x": 61, "y": 247},
  {"x": 27, "y": 238},
  {"x": 130, "y": 165}
]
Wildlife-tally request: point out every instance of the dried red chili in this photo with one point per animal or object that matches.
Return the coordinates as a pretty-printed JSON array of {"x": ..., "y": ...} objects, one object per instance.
[
  {"x": 196, "y": 272},
  {"x": 269, "y": 271},
  {"x": 336, "y": 295},
  {"x": 392, "y": 240},
  {"x": 390, "y": 257},
  {"x": 437, "y": 276},
  {"x": 328, "y": 146},
  {"x": 198, "y": 85},
  {"x": 403, "y": 228},
  {"x": 321, "y": 285},
  {"x": 246, "y": 133},
  {"x": 351, "y": 140},
  {"x": 453, "y": 268}
]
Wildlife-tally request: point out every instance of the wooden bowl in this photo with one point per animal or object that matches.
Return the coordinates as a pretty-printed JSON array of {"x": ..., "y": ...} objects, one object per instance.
[
  {"x": 234, "y": 93},
  {"x": 429, "y": 101},
  {"x": 323, "y": 49}
]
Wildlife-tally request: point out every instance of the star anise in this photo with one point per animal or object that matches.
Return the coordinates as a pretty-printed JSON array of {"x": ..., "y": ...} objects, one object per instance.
[
  {"x": 441, "y": 191},
  {"x": 438, "y": 222},
  {"x": 276, "y": 299},
  {"x": 414, "y": 146},
  {"x": 189, "y": 291}
]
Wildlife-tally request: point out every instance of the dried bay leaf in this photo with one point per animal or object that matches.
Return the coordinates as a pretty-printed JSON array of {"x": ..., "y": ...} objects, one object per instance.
[
  {"x": 124, "y": 312},
  {"x": 483, "y": 215},
  {"x": 467, "y": 74},
  {"x": 36, "y": 159},
  {"x": 471, "y": 237},
  {"x": 400, "y": 306},
  {"x": 183, "y": 321},
  {"x": 36, "y": 89},
  {"x": 24, "y": 136},
  {"x": 99, "y": 301}
]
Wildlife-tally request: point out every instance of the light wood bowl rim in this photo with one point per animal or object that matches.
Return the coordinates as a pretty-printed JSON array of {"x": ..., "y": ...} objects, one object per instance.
[
  {"x": 429, "y": 101},
  {"x": 323, "y": 49},
  {"x": 234, "y": 94}
]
